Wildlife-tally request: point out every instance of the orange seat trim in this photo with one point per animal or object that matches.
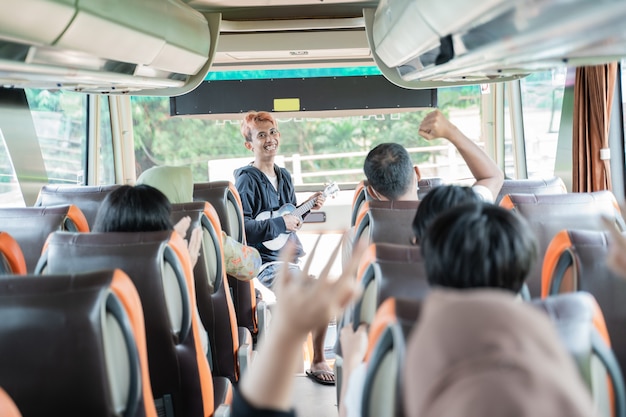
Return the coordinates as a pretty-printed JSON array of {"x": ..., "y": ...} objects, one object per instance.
[
  {"x": 214, "y": 219},
  {"x": 385, "y": 315},
  {"x": 123, "y": 287},
  {"x": 560, "y": 243},
  {"x": 13, "y": 254},
  {"x": 206, "y": 379},
  {"x": 507, "y": 203},
  {"x": 76, "y": 215}
]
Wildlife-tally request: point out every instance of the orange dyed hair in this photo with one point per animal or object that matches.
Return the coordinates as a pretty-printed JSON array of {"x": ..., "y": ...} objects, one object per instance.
[{"x": 251, "y": 119}]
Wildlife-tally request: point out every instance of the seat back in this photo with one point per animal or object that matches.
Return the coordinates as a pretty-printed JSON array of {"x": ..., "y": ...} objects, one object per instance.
[
  {"x": 86, "y": 197},
  {"x": 215, "y": 305},
  {"x": 11, "y": 257},
  {"x": 427, "y": 184},
  {"x": 30, "y": 227},
  {"x": 362, "y": 194},
  {"x": 386, "y": 221},
  {"x": 580, "y": 324},
  {"x": 47, "y": 372},
  {"x": 382, "y": 388},
  {"x": 575, "y": 261},
  {"x": 389, "y": 270},
  {"x": 554, "y": 185},
  {"x": 548, "y": 214},
  {"x": 357, "y": 200},
  {"x": 159, "y": 266},
  {"x": 391, "y": 221},
  {"x": 225, "y": 199}
]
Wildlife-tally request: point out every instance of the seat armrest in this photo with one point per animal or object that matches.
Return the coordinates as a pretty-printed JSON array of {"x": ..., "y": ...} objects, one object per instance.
[
  {"x": 222, "y": 390},
  {"x": 222, "y": 411},
  {"x": 338, "y": 370},
  {"x": 244, "y": 353},
  {"x": 263, "y": 317}
]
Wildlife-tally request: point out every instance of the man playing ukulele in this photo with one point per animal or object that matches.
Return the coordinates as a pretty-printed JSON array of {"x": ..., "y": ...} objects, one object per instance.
[{"x": 265, "y": 187}]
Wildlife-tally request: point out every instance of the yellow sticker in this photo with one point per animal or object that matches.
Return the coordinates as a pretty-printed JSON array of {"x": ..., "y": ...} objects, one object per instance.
[{"x": 286, "y": 104}]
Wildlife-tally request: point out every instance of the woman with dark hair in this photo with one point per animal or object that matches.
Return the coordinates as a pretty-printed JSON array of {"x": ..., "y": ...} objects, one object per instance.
[{"x": 142, "y": 208}]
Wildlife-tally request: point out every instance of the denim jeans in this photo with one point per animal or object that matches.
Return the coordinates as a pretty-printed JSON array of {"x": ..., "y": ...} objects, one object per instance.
[{"x": 269, "y": 273}]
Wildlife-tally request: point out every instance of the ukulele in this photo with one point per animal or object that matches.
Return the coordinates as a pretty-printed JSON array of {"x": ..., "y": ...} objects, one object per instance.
[{"x": 280, "y": 240}]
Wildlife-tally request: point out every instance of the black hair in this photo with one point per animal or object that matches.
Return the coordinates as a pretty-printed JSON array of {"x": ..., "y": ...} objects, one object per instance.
[
  {"x": 389, "y": 170},
  {"x": 438, "y": 200},
  {"x": 479, "y": 245},
  {"x": 141, "y": 208}
]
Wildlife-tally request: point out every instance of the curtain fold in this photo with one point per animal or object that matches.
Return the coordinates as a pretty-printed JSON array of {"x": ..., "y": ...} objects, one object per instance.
[{"x": 593, "y": 98}]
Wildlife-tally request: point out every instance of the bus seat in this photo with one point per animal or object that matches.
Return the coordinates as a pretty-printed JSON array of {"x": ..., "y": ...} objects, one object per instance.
[
  {"x": 386, "y": 270},
  {"x": 159, "y": 266},
  {"x": 389, "y": 270},
  {"x": 575, "y": 261},
  {"x": 86, "y": 197},
  {"x": 387, "y": 335},
  {"x": 7, "y": 406},
  {"x": 105, "y": 374},
  {"x": 427, "y": 184},
  {"x": 357, "y": 200},
  {"x": 362, "y": 194},
  {"x": 12, "y": 258},
  {"x": 30, "y": 227},
  {"x": 362, "y": 222},
  {"x": 391, "y": 221},
  {"x": 549, "y": 213},
  {"x": 580, "y": 324},
  {"x": 225, "y": 199},
  {"x": 385, "y": 222},
  {"x": 231, "y": 346},
  {"x": 554, "y": 185}
]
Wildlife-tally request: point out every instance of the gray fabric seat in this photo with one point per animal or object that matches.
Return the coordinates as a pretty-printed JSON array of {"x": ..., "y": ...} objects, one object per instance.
[{"x": 70, "y": 347}]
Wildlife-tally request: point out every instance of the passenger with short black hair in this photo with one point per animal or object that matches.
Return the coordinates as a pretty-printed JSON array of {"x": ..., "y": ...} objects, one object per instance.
[
  {"x": 390, "y": 173},
  {"x": 392, "y": 177},
  {"x": 479, "y": 245},
  {"x": 478, "y": 353},
  {"x": 437, "y": 201}
]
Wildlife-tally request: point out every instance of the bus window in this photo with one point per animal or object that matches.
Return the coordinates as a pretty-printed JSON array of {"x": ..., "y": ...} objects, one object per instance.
[
  {"x": 106, "y": 165},
  {"x": 315, "y": 150},
  {"x": 10, "y": 193},
  {"x": 60, "y": 121},
  {"x": 542, "y": 99}
]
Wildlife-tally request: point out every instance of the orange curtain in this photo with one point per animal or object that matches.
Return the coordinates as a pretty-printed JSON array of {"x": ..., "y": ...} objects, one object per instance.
[{"x": 593, "y": 97}]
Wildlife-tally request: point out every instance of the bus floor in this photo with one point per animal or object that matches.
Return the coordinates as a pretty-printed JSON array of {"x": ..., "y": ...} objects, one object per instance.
[{"x": 313, "y": 400}]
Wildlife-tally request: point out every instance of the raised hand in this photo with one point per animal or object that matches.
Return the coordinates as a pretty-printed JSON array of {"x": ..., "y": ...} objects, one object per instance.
[{"x": 305, "y": 303}]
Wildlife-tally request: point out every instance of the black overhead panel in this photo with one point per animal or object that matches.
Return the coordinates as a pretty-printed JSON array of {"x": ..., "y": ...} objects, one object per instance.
[{"x": 301, "y": 97}]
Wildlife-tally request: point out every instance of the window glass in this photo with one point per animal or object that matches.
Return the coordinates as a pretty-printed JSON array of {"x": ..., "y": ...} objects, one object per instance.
[
  {"x": 61, "y": 124},
  {"x": 106, "y": 174},
  {"x": 314, "y": 150},
  {"x": 10, "y": 193},
  {"x": 542, "y": 99}
]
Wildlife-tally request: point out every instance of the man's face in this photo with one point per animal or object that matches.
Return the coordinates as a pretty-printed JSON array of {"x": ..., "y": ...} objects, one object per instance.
[{"x": 265, "y": 139}]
